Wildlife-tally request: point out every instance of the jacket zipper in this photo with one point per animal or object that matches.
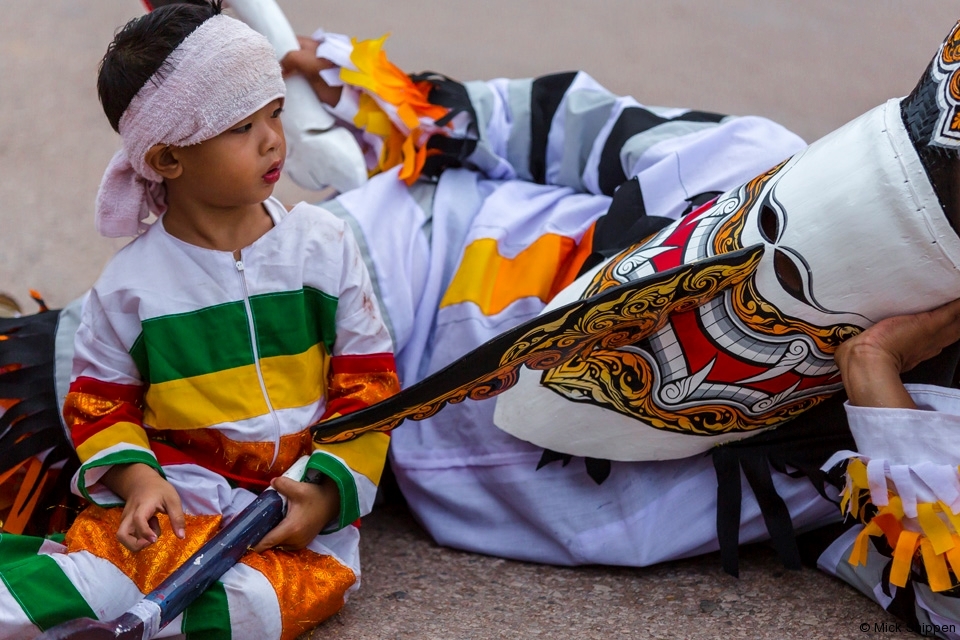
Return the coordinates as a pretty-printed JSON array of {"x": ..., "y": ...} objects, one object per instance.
[{"x": 256, "y": 360}]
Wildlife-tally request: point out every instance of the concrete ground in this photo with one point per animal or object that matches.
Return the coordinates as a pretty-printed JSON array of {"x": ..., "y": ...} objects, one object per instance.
[{"x": 811, "y": 65}]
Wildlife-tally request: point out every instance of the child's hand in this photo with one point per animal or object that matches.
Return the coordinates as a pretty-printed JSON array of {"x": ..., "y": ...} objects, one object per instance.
[
  {"x": 306, "y": 63},
  {"x": 309, "y": 508},
  {"x": 146, "y": 494}
]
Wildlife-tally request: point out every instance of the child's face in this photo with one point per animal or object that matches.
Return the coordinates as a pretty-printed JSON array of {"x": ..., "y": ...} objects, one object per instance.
[{"x": 241, "y": 165}]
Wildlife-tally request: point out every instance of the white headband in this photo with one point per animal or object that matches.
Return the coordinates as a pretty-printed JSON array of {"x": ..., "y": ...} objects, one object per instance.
[{"x": 220, "y": 74}]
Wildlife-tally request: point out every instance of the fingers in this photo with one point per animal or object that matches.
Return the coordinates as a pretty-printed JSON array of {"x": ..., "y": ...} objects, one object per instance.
[
  {"x": 309, "y": 508},
  {"x": 915, "y": 338},
  {"x": 303, "y": 60},
  {"x": 135, "y": 531},
  {"x": 293, "y": 62},
  {"x": 174, "y": 511},
  {"x": 288, "y": 487},
  {"x": 139, "y": 526},
  {"x": 289, "y": 535},
  {"x": 308, "y": 43},
  {"x": 279, "y": 536}
]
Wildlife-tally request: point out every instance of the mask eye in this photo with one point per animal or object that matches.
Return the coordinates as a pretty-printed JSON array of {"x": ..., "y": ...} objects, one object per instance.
[
  {"x": 796, "y": 278},
  {"x": 769, "y": 224},
  {"x": 789, "y": 275}
]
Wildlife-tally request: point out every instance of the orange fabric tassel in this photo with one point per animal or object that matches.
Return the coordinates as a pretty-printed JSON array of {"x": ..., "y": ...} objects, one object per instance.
[
  {"x": 23, "y": 508},
  {"x": 903, "y": 557},
  {"x": 377, "y": 76},
  {"x": 938, "y": 576}
]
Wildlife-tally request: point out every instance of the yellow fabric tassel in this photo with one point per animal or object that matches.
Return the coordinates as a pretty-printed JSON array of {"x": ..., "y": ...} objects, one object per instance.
[
  {"x": 936, "y": 566},
  {"x": 858, "y": 555},
  {"x": 371, "y": 118},
  {"x": 903, "y": 557},
  {"x": 953, "y": 556},
  {"x": 939, "y": 546},
  {"x": 934, "y": 528},
  {"x": 857, "y": 472},
  {"x": 951, "y": 516},
  {"x": 377, "y": 76}
]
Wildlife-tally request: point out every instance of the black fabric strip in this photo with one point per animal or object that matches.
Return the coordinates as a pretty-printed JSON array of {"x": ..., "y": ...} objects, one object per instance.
[
  {"x": 697, "y": 201},
  {"x": 58, "y": 506},
  {"x": 42, "y": 322},
  {"x": 624, "y": 224},
  {"x": 598, "y": 469},
  {"x": 549, "y": 456},
  {"x": 729, "y": 496},
  {"x": 61, "y": 452},
  {"x": 545, "y": 98},
  {"x": 27, "y": 350},
  {"x": 45, "y": 420},
  {"x": 634, "y": 120},
  {"x": 775, "y": 513},
  {"x": 699, "y": 116},
  {"x": 453, "y": 155},
  {"x": 34, "y": 425},
  {"x": 25, "y": 382},
  {"x": 904, "y": 604},
  {"x": 803, "y": 445},
  {"x": 25, "y": 407},
  {"x": 449, "y": 93},
  {"x": 626, "y": 221},
  {"x": 30, "y": 446},
  {"x": 625, "y": 210}
]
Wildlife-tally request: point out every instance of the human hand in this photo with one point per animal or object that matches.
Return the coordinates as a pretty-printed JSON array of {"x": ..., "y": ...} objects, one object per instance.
[
  {"x": 871, "y": 362},
  {"x": 305, "y": 62},
  {"x": 146, "y": 493},
  {"x": 309, "y": 508}
]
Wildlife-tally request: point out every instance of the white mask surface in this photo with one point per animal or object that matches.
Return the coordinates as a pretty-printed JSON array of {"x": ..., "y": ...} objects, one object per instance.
[{"x": 852, "y": 232}]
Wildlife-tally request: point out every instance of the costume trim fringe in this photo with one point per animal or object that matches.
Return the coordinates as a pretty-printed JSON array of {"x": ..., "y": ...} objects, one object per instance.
[
  {"x": 36, "y": 458},
  {"x": 917, "y": 515},
  {"x": 394, "y": 108}
]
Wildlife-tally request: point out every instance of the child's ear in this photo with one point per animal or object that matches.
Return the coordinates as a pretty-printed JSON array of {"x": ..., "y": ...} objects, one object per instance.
[{"x": 161, "y": 159}]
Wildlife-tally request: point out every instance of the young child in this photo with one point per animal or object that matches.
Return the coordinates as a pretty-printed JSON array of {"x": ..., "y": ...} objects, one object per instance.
[{"x": 207, "y": 348}]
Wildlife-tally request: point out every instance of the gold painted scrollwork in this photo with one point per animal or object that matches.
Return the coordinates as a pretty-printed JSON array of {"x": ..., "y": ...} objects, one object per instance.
[
  {"x": 951, "y": 47},
  {"x": 623, "y": 382},
  {"x": 611, "y": 320}
]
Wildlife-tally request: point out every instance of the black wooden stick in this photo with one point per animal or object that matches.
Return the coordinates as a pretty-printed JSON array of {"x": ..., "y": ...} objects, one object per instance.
[{"x": 184, "y": 585}]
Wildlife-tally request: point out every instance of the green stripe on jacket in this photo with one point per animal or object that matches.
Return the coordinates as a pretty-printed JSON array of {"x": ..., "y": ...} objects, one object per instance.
[{"x": 217, "y": 338}]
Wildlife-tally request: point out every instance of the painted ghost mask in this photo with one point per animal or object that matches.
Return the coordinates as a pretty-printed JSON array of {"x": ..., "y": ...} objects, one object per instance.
[{"x": 852, "y": 231}]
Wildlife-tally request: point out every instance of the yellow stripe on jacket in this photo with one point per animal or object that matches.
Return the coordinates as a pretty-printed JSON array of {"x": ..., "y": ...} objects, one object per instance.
[{"x": 213, "y": 398}]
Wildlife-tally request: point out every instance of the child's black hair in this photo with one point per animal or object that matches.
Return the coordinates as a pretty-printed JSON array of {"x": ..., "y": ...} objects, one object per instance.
[{"x": 140, "y": 49}]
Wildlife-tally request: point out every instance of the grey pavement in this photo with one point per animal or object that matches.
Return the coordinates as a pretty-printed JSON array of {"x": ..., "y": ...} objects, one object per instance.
[{"x": 810, "y": 65}]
